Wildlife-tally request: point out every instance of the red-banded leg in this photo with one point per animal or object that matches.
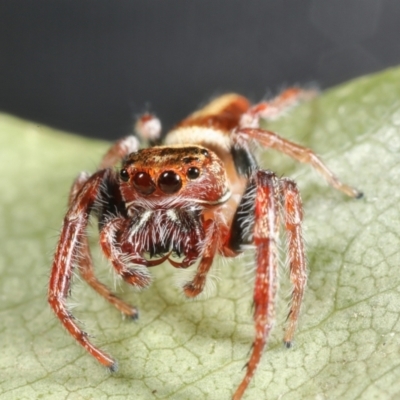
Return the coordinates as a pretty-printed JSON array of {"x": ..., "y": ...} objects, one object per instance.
[
  {"x": 265, "y": 238},
  {"x": 119, "y": 150},
  {"x": 275, "y": 107},
  {"x": 66, "y": 255},
  {"x": 196, "y": 286},
  {"x": 293, "y": 217},
  {"x": 271, "y": 140}
]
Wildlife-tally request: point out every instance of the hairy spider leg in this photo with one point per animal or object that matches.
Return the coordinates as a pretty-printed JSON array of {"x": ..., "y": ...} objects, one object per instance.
[
  {"x": 79, "y": 181},
  {"x": 271, "y": 140},
  {"x": 275, "y": 107},
  {"x": 138, "y": 277},
  {"x": 265, "y": 238},
  {"x": 66, "y": 255},
  {"x": 196, "y": 286},
  {"x": 87, "y": 272},
  {"x": 149, "y": 128},
  {"x": 85, "y": 264},
  {"x": 293, "y": 217},
  {"x": 118, "y": 151}
]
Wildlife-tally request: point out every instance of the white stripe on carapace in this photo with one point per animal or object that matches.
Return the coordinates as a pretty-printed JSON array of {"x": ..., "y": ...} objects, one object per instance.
[{"x": 199, "y": 135}]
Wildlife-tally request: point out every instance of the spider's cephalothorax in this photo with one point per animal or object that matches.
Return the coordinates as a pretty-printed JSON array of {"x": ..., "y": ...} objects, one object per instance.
[{"x": 198, "y": 195}]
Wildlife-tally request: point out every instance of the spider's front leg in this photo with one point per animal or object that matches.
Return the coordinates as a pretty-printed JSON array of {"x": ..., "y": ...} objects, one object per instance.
[
  {"x": 85, "y": 263},
  {"x": 66, "y": 256},
  {"x": 265, "y": 238},
  {"x": 118, "y": 151}
]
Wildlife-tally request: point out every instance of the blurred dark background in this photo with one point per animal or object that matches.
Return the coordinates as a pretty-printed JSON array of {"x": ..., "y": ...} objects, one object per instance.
[{"x": 91, "y": 66}]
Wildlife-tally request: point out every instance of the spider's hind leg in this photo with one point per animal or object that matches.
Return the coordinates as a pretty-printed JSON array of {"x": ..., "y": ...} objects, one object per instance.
[
  {"x": 119, "y": 150},
  {"x": 276, "y": 107},
  {"x": 293, "y": 216}
]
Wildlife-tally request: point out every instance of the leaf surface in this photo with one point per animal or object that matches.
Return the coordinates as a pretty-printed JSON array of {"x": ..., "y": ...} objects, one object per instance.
[{"x": 348, "y": 342}]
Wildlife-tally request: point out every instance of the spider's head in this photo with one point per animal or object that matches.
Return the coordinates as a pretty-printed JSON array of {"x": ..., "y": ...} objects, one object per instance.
[{"x": 174, "y": 176}]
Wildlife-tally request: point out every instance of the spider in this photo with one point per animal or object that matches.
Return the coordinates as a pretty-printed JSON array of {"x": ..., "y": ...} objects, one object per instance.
[{"x": 199, "y": 194}]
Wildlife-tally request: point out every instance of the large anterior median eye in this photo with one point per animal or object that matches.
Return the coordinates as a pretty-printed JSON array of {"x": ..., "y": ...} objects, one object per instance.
[
  {"x": 143, "y": 183},
  {"x": 169, "y": 182}
]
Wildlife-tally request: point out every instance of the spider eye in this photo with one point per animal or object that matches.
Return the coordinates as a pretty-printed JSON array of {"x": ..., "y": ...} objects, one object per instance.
[
  {"x": 143, "y": 183},
  {"x": 204, "y": 152},
  {"x": 169, "y": 182},
  {"x": 124, "y": 175},
  {"x": 193, "y": 173}
]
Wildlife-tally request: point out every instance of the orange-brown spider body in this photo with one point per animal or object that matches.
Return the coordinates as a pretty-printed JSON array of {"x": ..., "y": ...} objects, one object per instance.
[{"x": 198, "y": 195}]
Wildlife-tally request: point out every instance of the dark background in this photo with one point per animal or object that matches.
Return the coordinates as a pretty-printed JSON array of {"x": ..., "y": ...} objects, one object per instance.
[{"x": 92, "y": 66}]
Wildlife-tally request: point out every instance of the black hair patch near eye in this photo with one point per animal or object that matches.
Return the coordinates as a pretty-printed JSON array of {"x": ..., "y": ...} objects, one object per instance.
[
  {"x": 244, "y": 219},
  {"x": 244, "y": 161}
]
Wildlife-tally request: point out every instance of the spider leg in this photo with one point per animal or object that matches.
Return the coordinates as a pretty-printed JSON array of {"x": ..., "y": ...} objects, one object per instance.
[
  {"x": 79, "y": 181},
  {"x": 275, "y": 107},
  {"x": 87, "y": 272},
  {"x": 265, "y": 237},
  {"x": 66, "y": 255},
  {"x": 303, "y": 154},
  {"x": 138, "y": 277},
  {"x": 85, "y": 263},
  {"x": 293, "y": 215},
  {"x": 148, "y": 127},
  {"x": 196, "y": 286},
  {"x": 120, "y": 149}
]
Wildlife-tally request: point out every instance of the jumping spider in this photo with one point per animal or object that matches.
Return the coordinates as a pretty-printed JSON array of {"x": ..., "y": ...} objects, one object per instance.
[{"x": 198, "y": 195}]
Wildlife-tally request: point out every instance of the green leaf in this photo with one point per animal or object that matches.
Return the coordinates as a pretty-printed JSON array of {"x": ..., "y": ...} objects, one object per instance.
[{"x": 348, "y": 342}]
